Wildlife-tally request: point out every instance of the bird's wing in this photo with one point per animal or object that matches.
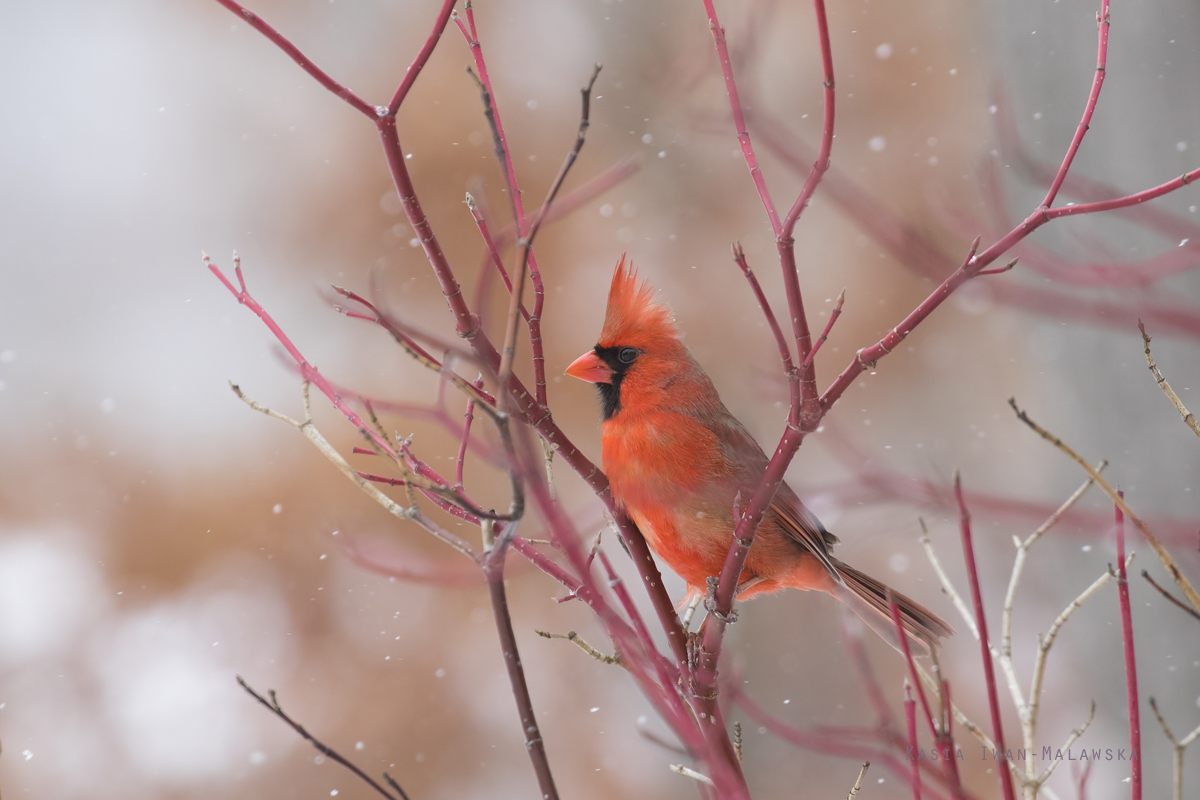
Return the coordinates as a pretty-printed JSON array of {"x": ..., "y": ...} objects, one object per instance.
[
  {"x": 747, "y": 462},
  {"x": 802, "y": 526}
]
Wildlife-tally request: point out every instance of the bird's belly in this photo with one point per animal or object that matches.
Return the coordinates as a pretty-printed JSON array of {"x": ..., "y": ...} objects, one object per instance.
[{"x": 692, "y": 553}]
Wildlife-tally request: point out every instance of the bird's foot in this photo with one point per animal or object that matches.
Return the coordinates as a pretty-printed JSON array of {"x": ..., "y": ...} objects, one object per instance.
[{"x": 710, "y": 604}]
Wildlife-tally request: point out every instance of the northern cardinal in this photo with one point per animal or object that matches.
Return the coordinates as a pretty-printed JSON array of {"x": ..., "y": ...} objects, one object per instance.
[{"x": 676, "y": 461}]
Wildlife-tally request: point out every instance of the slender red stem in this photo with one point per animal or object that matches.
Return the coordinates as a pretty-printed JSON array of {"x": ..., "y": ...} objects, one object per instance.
[
  {"x": 940, "y": 731},
  {"x": 894, "y": 609},
  {"x": 1089, "y": 108},
  {"x": 989, "y": 672},
  {"x": 1131, "y": 680},
  {"x": 739, "y": 118},
  {"x": 493, "y": 253},
  {"x": 910, "y": 724},
  {"x": 468, "y": 416},
  {"x": 466, "y": 324},
  {"x": 828, "y": 107},
  {"x": 414, "y": 69},
  {"x": 833, "y": 315},
  {"x": 785, "y": 352},
  {"x": 307, "y": 371},
  {"x": 293, "y": 52},
  {"x": 504, "y": 152},
  {"x": 947, "y": 747}
]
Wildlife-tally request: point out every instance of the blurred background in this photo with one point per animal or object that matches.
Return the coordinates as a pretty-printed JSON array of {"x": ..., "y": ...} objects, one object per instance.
[{"x": 158, "y": 538}]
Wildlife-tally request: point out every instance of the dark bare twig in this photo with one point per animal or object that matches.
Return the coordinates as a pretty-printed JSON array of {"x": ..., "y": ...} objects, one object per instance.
[
  {"x": 273, "y": 706},
  {"x": 1175, "y": 600},
  {"x": 492, "y": 562}
]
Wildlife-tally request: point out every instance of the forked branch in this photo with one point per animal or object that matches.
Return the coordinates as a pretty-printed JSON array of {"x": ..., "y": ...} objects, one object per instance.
[
  {"x": 273, "y": 706},
  {"x": 1165, "y": 557}
]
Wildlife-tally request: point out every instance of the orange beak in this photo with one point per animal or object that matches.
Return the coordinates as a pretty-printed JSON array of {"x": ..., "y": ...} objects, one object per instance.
[{"x": 589, "y": 367}]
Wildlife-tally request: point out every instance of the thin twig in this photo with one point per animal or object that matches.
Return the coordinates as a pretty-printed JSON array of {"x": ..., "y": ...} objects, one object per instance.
[
  {"x": 273, "y": 706},
  {"x": 910, "y": 724},
  {"x": 1131, "y": 681},
  {"x": 1028, "y": 720},
  {"x": 651, "y": 736},
  {"x": 1071, "y": 739},
  {"x": 1047, "y": 641},
  {"x": 687, "y": 772},
  {"x": 1189, "y": 418},
  {"x": 1094, "y": 95},
  {"x": 318, "y": 440},
  {"x": 1179, "y": 746},
  {"x": 493, "y": 570},
  {"x": 862, "y": 773},
  {"x": 989, "y": 673},
  {"x": 1172, "y": 569},
  {"x": 1175, "y": 600},
  {"x": 833, "y": 315},
  {"x": 572, "y": 636},
  {"x": 947, "y": 585}
]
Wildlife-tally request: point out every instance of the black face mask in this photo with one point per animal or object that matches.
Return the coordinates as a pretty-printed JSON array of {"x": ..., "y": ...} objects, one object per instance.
[{"x": 619, "y": 360}]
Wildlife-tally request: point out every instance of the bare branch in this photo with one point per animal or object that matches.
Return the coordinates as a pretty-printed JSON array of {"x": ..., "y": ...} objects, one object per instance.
[
  {"x": 1172, "y": 598},
  {"x": 273, "y": 706},
  {"x": 947, "y": 586},
  {"x": 1189, "y": 418},
  {"x": 326, "y": 449},
  {"x": 862, "y": 773},
  {"x": 1071, "y": 739},
  {"x": 1163, "y": 556},
  {"x": 572, "y": 636},
  {"x": 691, "y": 773}
]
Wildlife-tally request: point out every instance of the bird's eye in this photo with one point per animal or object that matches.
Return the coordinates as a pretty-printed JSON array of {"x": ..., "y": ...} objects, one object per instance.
[{"x": 627, "y": 355}]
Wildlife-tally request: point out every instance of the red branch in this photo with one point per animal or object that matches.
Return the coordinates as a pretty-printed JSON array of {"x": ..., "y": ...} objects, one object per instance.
[
  {"x": 504, "y": 152},
  {"x": 280, "y": 41},
  {"x": 1131, "y": 681},
  {"x": 989, "y": 672},
  {"x": 940, "y": 731},
  {"x": 805, "y": 410},
  {"x": 1088, "y": 109},
  {"x": 910, "y": 724}
]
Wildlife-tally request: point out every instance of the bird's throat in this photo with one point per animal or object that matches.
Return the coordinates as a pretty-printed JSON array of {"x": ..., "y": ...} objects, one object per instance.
[{"x": 610, "y": 396}]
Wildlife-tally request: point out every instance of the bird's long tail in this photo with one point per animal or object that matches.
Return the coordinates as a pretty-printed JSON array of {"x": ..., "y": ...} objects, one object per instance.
[{"x": 868, "y": 598}]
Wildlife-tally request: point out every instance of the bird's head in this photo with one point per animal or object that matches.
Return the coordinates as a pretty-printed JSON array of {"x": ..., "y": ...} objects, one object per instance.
[{"x": 639, "y": 348}]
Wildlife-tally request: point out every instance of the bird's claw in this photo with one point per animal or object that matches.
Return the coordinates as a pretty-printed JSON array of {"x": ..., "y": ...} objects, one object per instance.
[{"x": 710, "y": 604}]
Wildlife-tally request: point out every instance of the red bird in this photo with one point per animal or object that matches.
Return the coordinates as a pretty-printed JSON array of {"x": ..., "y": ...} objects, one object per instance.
[{"x": 676, "y": 460}]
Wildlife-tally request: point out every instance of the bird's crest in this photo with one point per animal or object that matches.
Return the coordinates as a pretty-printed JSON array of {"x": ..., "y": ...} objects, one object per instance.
[{"x": 633, "y": 316}]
